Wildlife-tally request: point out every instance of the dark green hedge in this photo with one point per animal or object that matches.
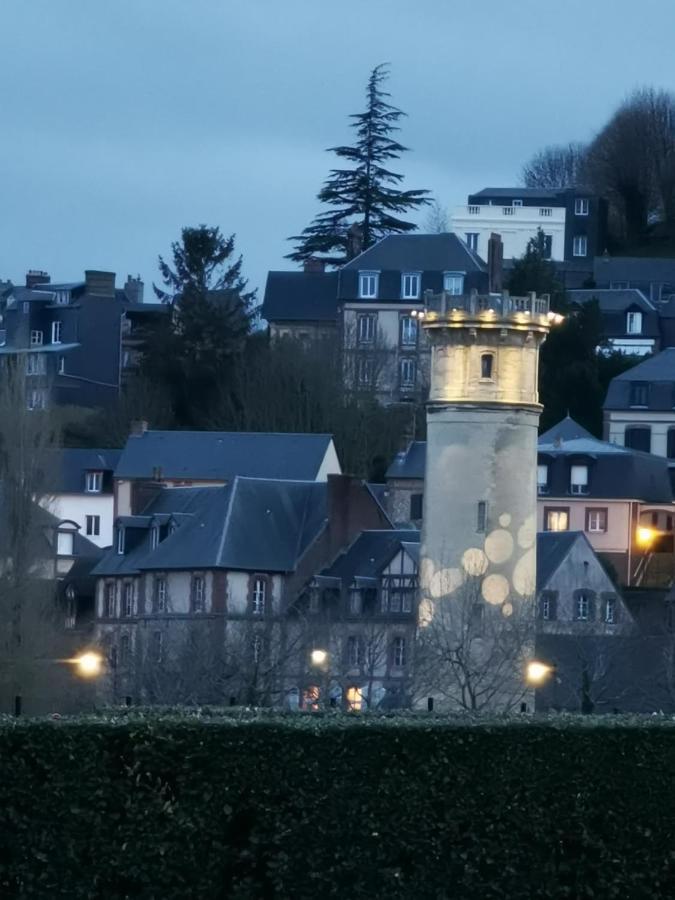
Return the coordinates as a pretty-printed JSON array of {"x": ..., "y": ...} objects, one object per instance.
[{"x": 227, "y": 808}]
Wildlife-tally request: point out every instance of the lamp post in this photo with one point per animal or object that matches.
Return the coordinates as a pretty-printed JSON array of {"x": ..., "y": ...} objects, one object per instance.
[{"x": 319, "y": 659}]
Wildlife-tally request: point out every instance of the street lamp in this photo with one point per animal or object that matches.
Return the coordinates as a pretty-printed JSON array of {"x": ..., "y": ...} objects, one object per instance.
[
  {"x": 538, "y": 672},
  {"x": 88, "y": 665},
  {"x": 645, "y": 535},
  {"x": 319, "y": 657}
]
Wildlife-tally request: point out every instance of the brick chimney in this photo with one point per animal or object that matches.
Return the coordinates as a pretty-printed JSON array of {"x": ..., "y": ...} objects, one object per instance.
[
  {"x": 314, "y": 265},
  {"x": 133, "y": 289},
  {"x": 351, "y": 510},
  {"x": 35, "y": 277},
  {"x": 99, "y": 284},
  {"x": 495, "y": 263}
]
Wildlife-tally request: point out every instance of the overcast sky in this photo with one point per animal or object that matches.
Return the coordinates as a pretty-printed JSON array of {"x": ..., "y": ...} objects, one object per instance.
[{"x": 121, "y": 122}]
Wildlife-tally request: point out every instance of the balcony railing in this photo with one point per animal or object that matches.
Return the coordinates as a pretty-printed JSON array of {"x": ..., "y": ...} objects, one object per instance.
[{"x": 503, "y": 304}]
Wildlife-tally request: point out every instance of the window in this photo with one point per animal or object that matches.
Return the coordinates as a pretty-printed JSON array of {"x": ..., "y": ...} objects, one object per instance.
[
  {"x": 160, "y": 594},
  {"x": 256, "y": 648},
  {"x": 639, "y": 393},
  {"x": 582, "y": 607},
  {"x": 546, "y": 212},
  {"x": 633, "y": 323},
  {"x": 481, "y": 516},
  {"x": 579, "y": 245},
  {"x": 407, "y": 372},
  {"x": 310, "y": 697},
  {"x": 154, "y": 537},
  {"x": 35, "y": 364},
  {"x": 64, "y": 543},
  {"x": 399, "y": 652},
  {"x": 408, "y": 331},
  {"x": 609, "y": 611},
  {"x": 596, "y": 521},
  {"x": 581, "y": 206},
  {"x": 198, "y": 594},
  {"x": 547, "y": 606},
  {"x": 354, "y": 651},
  {"x": 62, "y": 365},
  {"x": 416, "y": 501},
  {"x": 579, "y": 479},
  {"x": 157, "y": 646},
  {"x": 638, "y": 438},
  {"x": 93, "y": 482},
  {"x": 354, "y": 602},
  {"x": 368, "y": 285},
  {"x": 37, "y": 399},
  {"x": 472, "y": 241},
  {"x": 410, "y": 285},
  {"x": 25, "y": 307},
  {"x": 486, "y": 365},
  {"x": 453, "y": 283},
  {"x": 109, "y": 609},
  {"x": 517, "y": 203},
  {"x": 128, "y": 599},
  {"x": 354, "y": 698},
  {"x": 547, "y": 248},
  {"x": 365, "y": 370},
  {"x": 259, "y": 596},
  {"x": 398, "y": 593},
  {"x": 542, "y": 479},
  {"x": 556, "y": 519},
  {"x": 120, "y": 539},
  {"x": 36, "y": 338},
  {"x": 93, "y": 525},
  {"x": 56, "y": 332},
  {"x": 125, "y": 649},
  {"x": 365, "y": 329}
]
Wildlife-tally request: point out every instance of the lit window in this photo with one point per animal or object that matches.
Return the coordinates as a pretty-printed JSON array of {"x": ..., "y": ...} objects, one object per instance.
[
  {"x": 354, "y": 698},
  {"x": 366, "y": 329},
  {"x": 579, "y": 245},
  {"x": 472, "y": 240},
  {"x": 259, "y": 596},
  {"x": 556, "y": 520},
  {"x": 198, "y": 594},
  {"x": 56, "y": 332},
  {"x": 453, "y": 283},
  {"x": 634, "y": 323},
  {"x": 542, "y": 479},
  {"x": 109, "y": 610},
  {"x": 368, "y": 285},
  {"x": 36, "y": 338},
  {"x": 408, "y": 331},
  {"x": 579, "y": 479},
  {"x": 310, "y": 698},
  {"x": 128, "y": 599},
  {"x": 408, "y": 371},
  {"x": 610, "y": 611},
  {"x": 410, "y": 285},
  {"x": 160, "y": 594},
  {"x": 581, "y": 206},
  {"x": 93, "y": 482},
  {"x": 120, "y": 539},
  {"x": 399, "y": 652},
  {"x": 486, "y": 365},
  {"x": 582, "y": 609},
  {"x": 596, "y": 520},
  {"x": 93, "y": 525},
  {"x": 481, "y": 517}
]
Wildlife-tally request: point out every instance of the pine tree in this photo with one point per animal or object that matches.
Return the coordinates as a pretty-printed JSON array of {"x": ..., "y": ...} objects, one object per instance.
[{"x": 367, "y": 195}]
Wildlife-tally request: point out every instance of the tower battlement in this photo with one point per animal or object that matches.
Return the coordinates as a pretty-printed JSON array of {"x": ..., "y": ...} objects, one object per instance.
[{"x": 487, "y": 311}]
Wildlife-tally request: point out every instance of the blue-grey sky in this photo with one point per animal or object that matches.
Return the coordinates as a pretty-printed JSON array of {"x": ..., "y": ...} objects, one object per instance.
[{"x": 122, "y": 121}]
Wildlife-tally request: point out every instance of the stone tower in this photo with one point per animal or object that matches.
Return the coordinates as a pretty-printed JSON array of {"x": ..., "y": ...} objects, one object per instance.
[{"x": 478, "y": 554}]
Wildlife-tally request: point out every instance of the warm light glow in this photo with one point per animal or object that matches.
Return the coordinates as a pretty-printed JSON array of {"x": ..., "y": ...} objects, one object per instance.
[
  {"x": 645, "y": 535},
  {"x": 555, "y": 318},
  {"x": 354, "y": 698},
  {"x": 88, "y": 665},
  {"x": 319, "y": 657},
  {"x": 537, "y": 672}
]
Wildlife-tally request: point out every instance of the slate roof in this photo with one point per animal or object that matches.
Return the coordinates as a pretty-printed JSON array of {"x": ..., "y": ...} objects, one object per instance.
[
  {"x": 614, "y": 304},
  {"x": 220, "y": 455},
  {"x": 552, "y": 548},
  {"x": 418, "y": 253},
  {"x": 566, "y": 430},
  {"x": 251, "y": 524},
  {"x": 409, "y": 463},
  {"x": 633, "y": 268},
  {"x": 300, "y": 296},
  {"x": 370, "y": 553},
  {"x": 68, "y": 467},
  {"x": 658, "y": 371},
  {"x": 530, "y": 193}
]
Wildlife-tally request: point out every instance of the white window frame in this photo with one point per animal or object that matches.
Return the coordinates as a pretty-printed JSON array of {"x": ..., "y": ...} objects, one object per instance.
[
  {"x": 93, "y": 482},
  {"x": 580, "y": 245},
  {"x": 411, "y": 285},
  {"x": 582, "y": 607},
  {"x": 471, "y": 241},
  {"x": 368, "y": 285},
  {"x": 453, "y": 283},
  {"x": 36, "y": 338},
  {"x": 109, "y": 600},
  {"x": 36, "y": 399},
  {"x": 154, "y": 537},
  {"x": 581, "y": 206},
  {"x": 366, "y": 328},
  {"x": 407, "y": 365},
  {"x": 633, "y": 319},
  {"x": 120, "y": 540},
  {"x": 609, "y": 611},
  {"x": 57, "y": 326},
  {"x": 259, "y": 596},
  {"x": 198, "y": 594},
  {"x": 595, "y": 520},
  {"x": 128, "y": 599},
  {"x": 160, "y": 593},
  {"x": 542, "y": 478},
  {"x": 579, "y": 479},
  {"x": 399, "y": 654},
  {"x": 36, "y": 364},
  {"x": 408, "y": 326},
  {"x": 93, "y": 525},
  {"x": 365, "y": 371}
]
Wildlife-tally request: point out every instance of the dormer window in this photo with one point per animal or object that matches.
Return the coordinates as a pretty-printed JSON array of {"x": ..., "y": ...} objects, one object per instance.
[
  {"x": 633, "y": 322},
  {"x": 368, "y": 283},
  {"x": 410, "y": 285},
  {"x": 93, "y": 483},
  {"x": 487, "y": 365},
  {"x": 154, "y": 536},
  {"x": 453, "y": 283},
  {"x": 542, "y": 479},
  {"x": 581, "y": 206},
  {"x": 120, "y": 540},
  {"x": 639, "y": 393},
  {"x": 64, "y": 543},
  {"x": 579, "y": 479}
]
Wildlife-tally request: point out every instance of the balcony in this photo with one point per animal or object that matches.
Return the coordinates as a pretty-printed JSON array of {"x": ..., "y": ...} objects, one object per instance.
[{"x": 493, "y": 213}]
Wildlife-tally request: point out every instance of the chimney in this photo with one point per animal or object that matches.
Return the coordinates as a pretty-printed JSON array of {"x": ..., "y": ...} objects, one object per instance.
[
  {"x": 354, "y": 240},
  {"x": 314, "y": 265},
  {"x": 35, "y": 277},
  {"x": 134, "y": 289},
  {"x": 99, "y": 284},
  {"x": 139, "y": 427},
  {"x": 351, "y": 509},
  {"x": 495, "y": 262}
]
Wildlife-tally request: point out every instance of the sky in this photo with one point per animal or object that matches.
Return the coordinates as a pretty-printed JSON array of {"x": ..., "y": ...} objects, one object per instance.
[{"x": 121, "y": 122}]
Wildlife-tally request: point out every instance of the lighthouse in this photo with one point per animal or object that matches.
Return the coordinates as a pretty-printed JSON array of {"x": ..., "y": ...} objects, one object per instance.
[{"x": 478, "y": 549}]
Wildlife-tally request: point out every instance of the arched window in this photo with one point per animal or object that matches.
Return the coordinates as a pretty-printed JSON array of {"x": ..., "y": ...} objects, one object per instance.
[{"x": 486, "y": 365}]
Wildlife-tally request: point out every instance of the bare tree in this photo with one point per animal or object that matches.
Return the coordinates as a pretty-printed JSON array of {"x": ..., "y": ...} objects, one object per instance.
[
  {"x": 557, "y": 166},
  {"x": 436, "y": 220}
]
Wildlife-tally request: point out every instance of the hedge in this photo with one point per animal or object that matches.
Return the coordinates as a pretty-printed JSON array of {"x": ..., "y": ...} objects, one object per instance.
[{"x": 227, "y": 807}]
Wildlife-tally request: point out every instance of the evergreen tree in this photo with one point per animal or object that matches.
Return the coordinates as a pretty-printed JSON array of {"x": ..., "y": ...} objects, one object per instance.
[
  {"x": 535, "y": 271},
  {"x": 212, "y": 313},
  {"x": 366, "y": 196}
]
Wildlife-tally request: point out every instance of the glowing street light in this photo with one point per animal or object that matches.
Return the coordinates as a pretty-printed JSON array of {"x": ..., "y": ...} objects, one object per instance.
[
  {"x": 319, "y": 657},
  {"x": 537, "y": 672},
  {"x": 645, "y": 535},
  {"x": 88, "y": 665}
]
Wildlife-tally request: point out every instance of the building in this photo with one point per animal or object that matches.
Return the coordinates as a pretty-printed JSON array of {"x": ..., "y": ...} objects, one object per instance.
[
  {"x": 653, "y": 276},
  {"x": 75, "y": 337},
  {"x": 197, "y": 599},
  {"x": 152, "y": 459},
  {"x": 80, "y": 490},
  {"x": 574, "y": 222},
  {"x": 302, "y": 305},
  {"x": 631, "y": 323}
]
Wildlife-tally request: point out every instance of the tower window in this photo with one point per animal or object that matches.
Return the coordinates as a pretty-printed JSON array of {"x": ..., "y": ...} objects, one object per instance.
[
  {"x": 481, "y": 516},
  {"x": 486, "y": 365}
]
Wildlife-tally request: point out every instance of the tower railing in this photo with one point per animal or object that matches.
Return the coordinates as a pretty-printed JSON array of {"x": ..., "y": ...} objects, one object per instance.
[{"x": 503, "y": 304}]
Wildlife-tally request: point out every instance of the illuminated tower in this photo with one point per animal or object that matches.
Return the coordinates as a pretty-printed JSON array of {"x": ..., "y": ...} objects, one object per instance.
[{"x": 477, "y": 574}]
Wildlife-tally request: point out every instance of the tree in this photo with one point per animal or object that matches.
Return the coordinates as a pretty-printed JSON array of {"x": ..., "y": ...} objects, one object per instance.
[
  {"x": 535, "y": 271},
  {"x": 366, "y": 198},
  {"x": 436, "y": 220},
  {"x": 557, "y": 166},
  {"x": 194, "y": 352}
]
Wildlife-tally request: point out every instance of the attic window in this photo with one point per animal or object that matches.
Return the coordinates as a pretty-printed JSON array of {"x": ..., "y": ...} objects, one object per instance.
[
  {"x": 120, "y": 540},
  {"x": 64, "y": 543},
  {"x": 368, "y": 285},
  {"x": 639, "y": 393},
  {"x": 154, "y": 536},
  {"x": 93, "y": 483},
  {"x": 453, "y": 283},
  {"x": 633, "y": 323}
]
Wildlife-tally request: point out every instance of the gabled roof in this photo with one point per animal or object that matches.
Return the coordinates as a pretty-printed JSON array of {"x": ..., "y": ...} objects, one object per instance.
[
  {"x": 658, "y": 371},
  {"x": 552, "y": 548},
  {"x": 643, "y": 269},
  {"x": 300, "y": 296},
  {"x": 251, "y": 524},
  {"x": 371, "y": 552},
  {"x": 220, "y": 455},
  {"x": 530, "y": 193},
  {"x": 67, "y": 469},
  {"x": 409, "y": 463},
  {"x": 612, "y": 300},
  {"x": 418, "y": 253},
  {"x": 566, "y": 430}
]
